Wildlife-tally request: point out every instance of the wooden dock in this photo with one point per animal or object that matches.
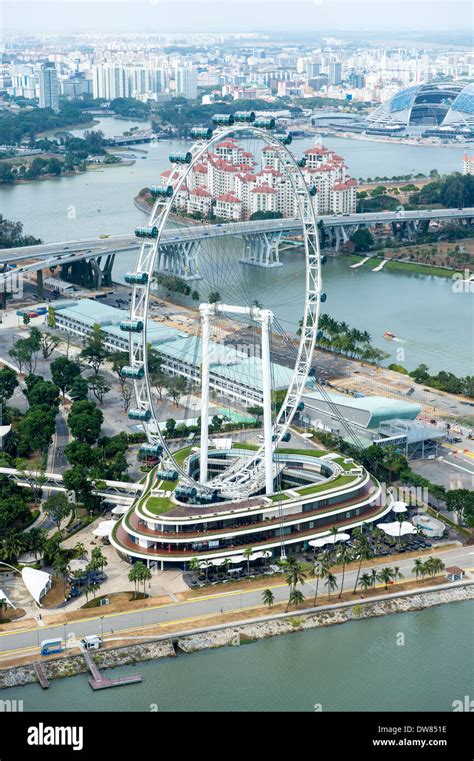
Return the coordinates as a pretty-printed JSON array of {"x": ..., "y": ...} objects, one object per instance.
[
  {"x": 98, "y": 682},
  {"x": 42, "y": 679}
]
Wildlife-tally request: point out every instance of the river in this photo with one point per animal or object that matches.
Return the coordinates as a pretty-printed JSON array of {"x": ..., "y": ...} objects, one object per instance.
[
  {"x": 433, "y": 322},
  {"x": 357, "y": 666}
]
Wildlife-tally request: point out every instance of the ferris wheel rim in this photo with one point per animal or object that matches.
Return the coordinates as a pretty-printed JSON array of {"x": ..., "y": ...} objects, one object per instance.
[{"x": 148, "y": 253}]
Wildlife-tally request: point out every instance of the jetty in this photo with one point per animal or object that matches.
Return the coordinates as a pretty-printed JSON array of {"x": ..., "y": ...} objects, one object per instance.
[
  {"x": 98, "y": 682},
  {"x": 42, "y": 678},
  {"x": 359, "y": 264},
  {"x": 380, "y": 266}
]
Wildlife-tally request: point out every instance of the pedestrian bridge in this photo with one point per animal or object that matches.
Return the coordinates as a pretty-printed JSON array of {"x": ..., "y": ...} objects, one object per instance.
[{"x": 123, "y": 492}]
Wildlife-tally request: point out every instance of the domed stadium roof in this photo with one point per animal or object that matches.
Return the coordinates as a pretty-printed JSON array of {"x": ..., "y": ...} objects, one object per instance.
[
  {"x": 461, "y": 112},
  {"x": 425, "y": 104}
]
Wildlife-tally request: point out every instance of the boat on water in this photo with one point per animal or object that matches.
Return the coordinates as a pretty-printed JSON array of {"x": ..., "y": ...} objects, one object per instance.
[{"x": 389, "y": 335}]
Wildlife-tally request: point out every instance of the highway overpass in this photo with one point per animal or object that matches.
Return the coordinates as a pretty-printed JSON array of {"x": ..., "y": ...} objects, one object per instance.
[{"x": 261, "y": 240}]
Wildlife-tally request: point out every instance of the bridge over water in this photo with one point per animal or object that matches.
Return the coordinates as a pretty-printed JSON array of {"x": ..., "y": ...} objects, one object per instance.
[{"x": 178, "y": 252}]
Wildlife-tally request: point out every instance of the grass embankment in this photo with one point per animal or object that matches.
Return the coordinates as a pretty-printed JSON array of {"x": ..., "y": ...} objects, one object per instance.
[
  {"x": 395, "y": 265},
  {"x": 159, "y": 505}
]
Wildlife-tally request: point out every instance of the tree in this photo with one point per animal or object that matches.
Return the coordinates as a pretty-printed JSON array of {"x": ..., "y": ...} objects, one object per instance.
[
  {"x": 386, "y": 576},
  {"x": 330, "y": 583},
  {"x": 13, "y": 544},
  {"x": 296, "y": 598},
  {"x": 43, "y": 393},
  {"x": 94, "y": 352},
  {"x": 35, "y": 430},
  {"x": 48, "y": 344},
  {"x": 363, "y": 550},
  {"x": 344, "y": 557},
  {"x": 57, "y": 508},
  {"x": 318, "y": 569},
  {"x": 8, "y": 384},
  {"x": 268, "y": 598},
  {"x": 79, "y": 389},
  {"x": 170, "y": 426},
  {"x": 365, "y": 581},
  {"x": 99, "y": 386},
  {"x": 64, "y": 372},
  {"x": 77, "y": 480},
  {"x": 22, "y": 354},
  {"x": 176, "y": 388},
  {"x": 460, "y": 501},
  {"x": 99, "y": 559},
  {"x": 85, "y": 421},
  {"x": 362, "y": 239},
  {"x": 294, "y": 575},
  {"x": 160, "y": 381},
  {"x": 247, "y": 553},
  {"x": 126, "y": 394}
]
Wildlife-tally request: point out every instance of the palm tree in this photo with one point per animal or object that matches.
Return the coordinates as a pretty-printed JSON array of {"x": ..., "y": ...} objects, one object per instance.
[
  {"x": 133, "y": 575},
  {"x": 330, "y": 583},
  {"x": 12, "y": 545},
  {"x": 295, "y": 572},
  {"x": 365, "y": 581},
  {"x": 207, "y": 565},
  {"x": 36, "y": 539},
  {"x": 397, "y": 574},
  {"x": 419, "y": 568},
  {"x": 296, "y": 598},
  {"x": 268, "y": 598},
  {"x": 334, "y": 532},
  {"x": 364, "y": 550},
  {"x": 318, "y": 569},
  {"x": 344, "y": 557},
  {"x": 385, "y": 575},
  {"x": 79, "y": 550},
  {"x": 145, "y": 575},
  {"x": 194, "y": 564},
  {"x": 225, "y": 565},
  {"x": 373, "y": 574},
  {"x": 247, "y": 553},
  {"x": 266, "y": 555}
]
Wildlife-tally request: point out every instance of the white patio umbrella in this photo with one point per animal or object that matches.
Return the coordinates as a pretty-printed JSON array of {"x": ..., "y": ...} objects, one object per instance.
[{"x": 119, "y": 510}]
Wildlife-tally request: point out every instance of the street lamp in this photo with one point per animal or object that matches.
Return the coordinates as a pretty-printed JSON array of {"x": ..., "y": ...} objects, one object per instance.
[
  {"x": 65, "y": 636},
  {"x": 102, "y": 627}
]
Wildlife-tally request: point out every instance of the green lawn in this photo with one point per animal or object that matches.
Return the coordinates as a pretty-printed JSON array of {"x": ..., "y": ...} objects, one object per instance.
[
  {"x": 341, "y": 481},
  {"x": 181, "y": 455},
  {"x": 278, "y": 497},
  {"x": 167, "y": 485},
  {"x": 159, "y": 505}
]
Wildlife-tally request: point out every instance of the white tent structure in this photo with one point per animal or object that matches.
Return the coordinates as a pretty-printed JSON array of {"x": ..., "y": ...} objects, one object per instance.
[
  {"x": 36, "y": 582},
  {"x": 397, "y": 529},
  {"x": 330, "y": 539},
  {"x": 399, "y": 507},
  {"x": 104, "y": 529},
  {"x": 120, "y": 510}
]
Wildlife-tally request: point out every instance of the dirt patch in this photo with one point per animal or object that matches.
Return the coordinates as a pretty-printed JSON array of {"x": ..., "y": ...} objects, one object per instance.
[{"x": 56, "y": 595}]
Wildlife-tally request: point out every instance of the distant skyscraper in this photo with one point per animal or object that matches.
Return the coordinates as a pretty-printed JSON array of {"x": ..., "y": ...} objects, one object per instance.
[
  {"x": 335, "y": 73},
  {"x": 313, "y": 69},
  {"x": 48, "y": 87},
  {"x": 186, "y": 82}
]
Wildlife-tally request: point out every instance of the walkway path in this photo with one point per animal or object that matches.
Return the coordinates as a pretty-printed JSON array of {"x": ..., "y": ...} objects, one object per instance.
[{"x": 359, "y": 264}]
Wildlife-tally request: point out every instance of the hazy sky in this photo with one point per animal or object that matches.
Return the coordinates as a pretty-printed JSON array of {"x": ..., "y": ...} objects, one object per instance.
[{"x": 227, "y": 15}]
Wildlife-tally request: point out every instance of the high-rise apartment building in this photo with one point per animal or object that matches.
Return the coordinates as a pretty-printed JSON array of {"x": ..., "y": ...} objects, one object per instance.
[
  {"x": 335, "y": 73},
  {"x": 48, "y": 87},
  {"x": 186, "y": 82}
]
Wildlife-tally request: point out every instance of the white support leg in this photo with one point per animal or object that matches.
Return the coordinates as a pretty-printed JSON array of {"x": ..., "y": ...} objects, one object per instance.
[
  {"x": 206, "y": 333},
  {"x": 267, "y": 401}
]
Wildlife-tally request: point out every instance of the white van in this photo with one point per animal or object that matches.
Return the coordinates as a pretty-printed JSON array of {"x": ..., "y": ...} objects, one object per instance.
[{"x": 91, "y": 642}]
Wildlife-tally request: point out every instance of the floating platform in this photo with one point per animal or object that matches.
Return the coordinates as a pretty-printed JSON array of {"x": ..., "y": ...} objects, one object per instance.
[{"x": 98, "y": 682}]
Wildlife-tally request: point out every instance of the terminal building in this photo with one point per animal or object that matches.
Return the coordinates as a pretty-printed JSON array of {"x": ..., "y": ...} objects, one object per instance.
[
  {"x": 314, "y": 492},
  {"x": 372, "y": 420},
  {"x": 232, "y": 373}
]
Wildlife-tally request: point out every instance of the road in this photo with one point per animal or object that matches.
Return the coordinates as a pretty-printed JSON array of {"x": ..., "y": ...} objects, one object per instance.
[
  {"x": 25, "y": 642},
  {"x": 62, "y": 252}
]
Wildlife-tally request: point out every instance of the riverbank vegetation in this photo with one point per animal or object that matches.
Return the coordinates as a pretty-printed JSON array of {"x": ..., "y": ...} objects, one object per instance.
[{"x": 341, "y": 338}]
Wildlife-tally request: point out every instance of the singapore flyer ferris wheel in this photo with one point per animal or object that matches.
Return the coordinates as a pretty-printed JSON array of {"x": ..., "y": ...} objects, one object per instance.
[{"x": 230, "y": 266}]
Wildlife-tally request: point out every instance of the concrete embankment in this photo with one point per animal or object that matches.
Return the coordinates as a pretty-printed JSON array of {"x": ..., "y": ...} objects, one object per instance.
[{"x": 239, "y": 634}]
